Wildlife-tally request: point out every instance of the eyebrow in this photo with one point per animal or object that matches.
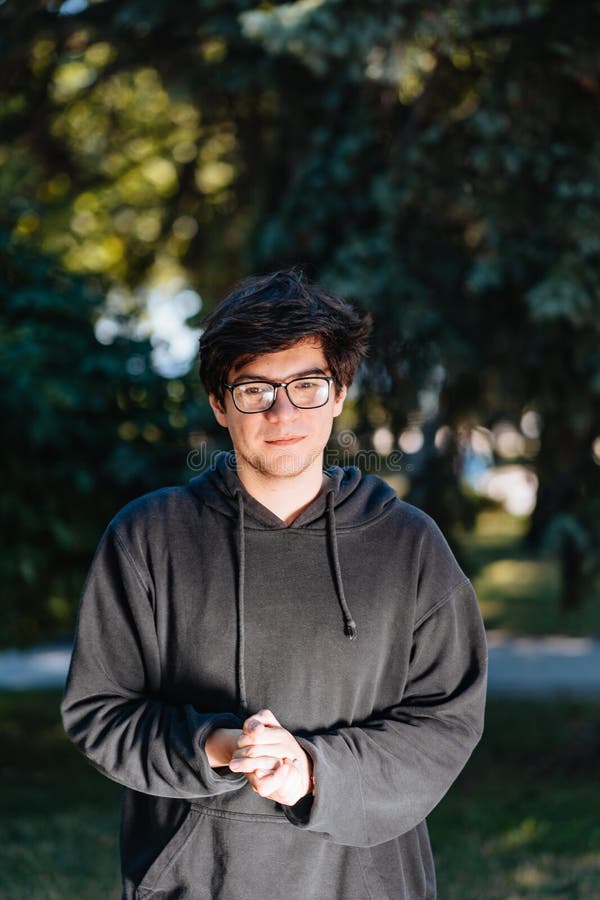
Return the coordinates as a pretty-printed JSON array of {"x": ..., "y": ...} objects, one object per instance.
[{"x": 250, "y": 376}]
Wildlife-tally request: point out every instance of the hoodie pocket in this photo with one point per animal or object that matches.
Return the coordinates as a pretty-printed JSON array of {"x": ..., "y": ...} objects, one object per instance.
[
  {"x": 217, "y": 855},
  {"x": 150, "y": 886}
]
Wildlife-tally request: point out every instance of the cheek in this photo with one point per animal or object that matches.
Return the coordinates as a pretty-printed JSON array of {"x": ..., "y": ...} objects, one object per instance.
[
  {"x": 325, "y": 424},
  {"x": 244, "y": 432}
]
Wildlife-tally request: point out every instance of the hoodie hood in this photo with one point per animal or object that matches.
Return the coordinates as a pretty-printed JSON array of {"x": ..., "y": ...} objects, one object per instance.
[
  {"x": 347, "y": 500},
  {"x": 357, "y": 499}
]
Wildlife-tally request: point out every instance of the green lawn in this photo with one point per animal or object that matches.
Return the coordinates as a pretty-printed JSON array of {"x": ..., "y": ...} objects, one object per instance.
[
  {"x": 517, "y": 591},
  {"x": 58, "y": 817},
  {"x": 523, "y": 821}
]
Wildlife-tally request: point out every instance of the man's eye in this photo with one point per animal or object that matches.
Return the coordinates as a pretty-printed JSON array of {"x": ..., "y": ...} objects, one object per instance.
[
  {"x": 307, "y": 385},
  {"x": 253, "y": 390}
]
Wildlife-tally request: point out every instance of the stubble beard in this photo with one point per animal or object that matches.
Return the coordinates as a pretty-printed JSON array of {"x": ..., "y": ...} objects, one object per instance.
[{"x": 284, "y": 466}]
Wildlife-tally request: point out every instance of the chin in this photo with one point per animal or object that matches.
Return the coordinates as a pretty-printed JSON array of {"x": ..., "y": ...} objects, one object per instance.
[{"x": 286, "y": 465}]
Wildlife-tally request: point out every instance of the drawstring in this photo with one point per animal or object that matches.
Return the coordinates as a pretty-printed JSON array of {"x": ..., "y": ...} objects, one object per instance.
[
  {"x": 241, "y": 674},
  {"x": 350, "y": 629}
]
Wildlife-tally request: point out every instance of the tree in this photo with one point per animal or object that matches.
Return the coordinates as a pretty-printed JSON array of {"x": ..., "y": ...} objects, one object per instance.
[
  {"x": 90, "y": 427},
  {"x": 437, "y": 163}
]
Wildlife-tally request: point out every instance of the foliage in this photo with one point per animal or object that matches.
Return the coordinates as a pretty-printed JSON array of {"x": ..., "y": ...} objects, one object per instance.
[
  {"x": 518, "y": 592},
  {"x": 89, "y": 430},
  {"x": 438, "y": 163}
]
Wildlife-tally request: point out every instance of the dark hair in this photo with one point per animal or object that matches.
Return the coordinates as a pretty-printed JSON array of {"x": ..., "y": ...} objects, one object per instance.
[{"x": 268, "y": 313}]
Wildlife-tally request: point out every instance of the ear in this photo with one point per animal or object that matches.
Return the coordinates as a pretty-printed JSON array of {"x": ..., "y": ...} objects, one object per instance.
[
  {"x": 338, "y": 402},
  {"x": 218, "y": 409}
]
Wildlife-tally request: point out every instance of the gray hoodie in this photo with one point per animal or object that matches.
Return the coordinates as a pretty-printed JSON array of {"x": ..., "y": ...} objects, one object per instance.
[{"x": 354, "y": 625}]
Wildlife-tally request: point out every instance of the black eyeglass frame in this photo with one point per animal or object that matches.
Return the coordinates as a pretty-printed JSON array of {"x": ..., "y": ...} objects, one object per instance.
[{"x": 277, "y": 384}]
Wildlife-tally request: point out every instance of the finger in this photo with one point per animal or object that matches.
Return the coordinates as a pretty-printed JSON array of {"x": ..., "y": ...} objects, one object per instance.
[
  {"x": 256, "y": 778},
  {"x": 266, "y": 716},
  {"x": 262, "y": 717},
  {"x": 264, "y": 734},
  {"x": 273, "y": 781},
  {"x": 278, "y": 751},
  {"x": 250, "y": 734},
  {"x": 248, "y": 764}
]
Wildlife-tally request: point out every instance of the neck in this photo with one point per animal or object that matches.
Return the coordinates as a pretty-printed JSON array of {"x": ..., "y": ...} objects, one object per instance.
[{"x": 285, "y": 497}]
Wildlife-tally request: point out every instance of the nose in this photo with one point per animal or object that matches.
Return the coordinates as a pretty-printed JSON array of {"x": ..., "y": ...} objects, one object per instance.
[{"x": 283, "y": 409}]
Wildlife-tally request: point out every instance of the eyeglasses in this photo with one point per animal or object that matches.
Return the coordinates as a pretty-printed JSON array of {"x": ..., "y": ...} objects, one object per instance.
[{"x": 259, "y": 396}]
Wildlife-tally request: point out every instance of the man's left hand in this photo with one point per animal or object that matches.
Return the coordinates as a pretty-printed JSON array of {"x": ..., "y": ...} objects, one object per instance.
[{"x": 272, "y": 760}]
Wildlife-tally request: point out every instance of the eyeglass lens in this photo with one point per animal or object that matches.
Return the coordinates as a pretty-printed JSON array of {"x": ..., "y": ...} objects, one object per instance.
[{"x": 305, "y": 393}]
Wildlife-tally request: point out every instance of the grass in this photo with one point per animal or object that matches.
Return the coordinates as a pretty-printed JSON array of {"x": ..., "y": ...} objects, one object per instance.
[
  {"x": 518, "y": 592},
  {"x": 523, "y": 819},
  {"x": 58, "y": 817},
  {"x": 521, "y": 823}
]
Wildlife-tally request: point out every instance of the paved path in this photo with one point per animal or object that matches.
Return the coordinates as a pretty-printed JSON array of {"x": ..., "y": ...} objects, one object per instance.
[
  {"x": 519, "y": 666},
  {"x": 544, "y": 666},
  {"x": 41, "y": 667}
]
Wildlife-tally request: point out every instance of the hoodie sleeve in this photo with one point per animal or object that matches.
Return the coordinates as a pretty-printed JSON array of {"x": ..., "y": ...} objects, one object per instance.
[
  {"x": 379, "y": 778},
  {"x": 110, "y": 708}
]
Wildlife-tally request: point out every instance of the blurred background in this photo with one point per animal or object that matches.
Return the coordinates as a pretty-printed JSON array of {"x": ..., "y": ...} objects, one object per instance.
[{"x": 436, "y": 164}]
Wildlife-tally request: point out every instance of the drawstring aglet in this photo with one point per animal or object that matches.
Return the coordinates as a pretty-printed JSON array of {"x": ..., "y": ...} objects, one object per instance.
[{"x": 350, "y": 629}]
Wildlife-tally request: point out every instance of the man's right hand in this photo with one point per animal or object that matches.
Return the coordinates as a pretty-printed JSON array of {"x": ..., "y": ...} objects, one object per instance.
[
  {"x": 275, "y": 764},
  {"x": 220, "y": 745}
]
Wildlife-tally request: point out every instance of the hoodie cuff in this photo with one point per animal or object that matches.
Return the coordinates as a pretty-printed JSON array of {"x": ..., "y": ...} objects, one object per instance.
[
  {"x": 222, "y": 779},
  {"x": 299, "y": 814}
]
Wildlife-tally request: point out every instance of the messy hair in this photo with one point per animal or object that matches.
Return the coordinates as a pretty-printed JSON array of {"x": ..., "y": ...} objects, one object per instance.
[{"x": 269, "y": 313}]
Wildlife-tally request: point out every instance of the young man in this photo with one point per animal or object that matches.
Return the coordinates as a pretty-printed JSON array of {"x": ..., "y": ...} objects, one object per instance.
[{"x": 284, "y": 666}]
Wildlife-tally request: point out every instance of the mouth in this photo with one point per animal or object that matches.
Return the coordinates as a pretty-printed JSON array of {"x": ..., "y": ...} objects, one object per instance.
[{"x": 285, "y": 441}]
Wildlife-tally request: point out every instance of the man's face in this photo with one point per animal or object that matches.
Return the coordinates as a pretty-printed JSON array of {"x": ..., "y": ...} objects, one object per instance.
[{"x": 283, "y": 441}]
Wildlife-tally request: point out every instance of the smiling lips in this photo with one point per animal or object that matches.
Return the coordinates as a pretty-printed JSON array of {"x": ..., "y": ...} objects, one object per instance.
[{"x": 285, "y": 441}]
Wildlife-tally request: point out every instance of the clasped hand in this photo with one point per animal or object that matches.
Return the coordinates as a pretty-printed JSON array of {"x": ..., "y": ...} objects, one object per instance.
[{"x": 272, "y": 760}]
